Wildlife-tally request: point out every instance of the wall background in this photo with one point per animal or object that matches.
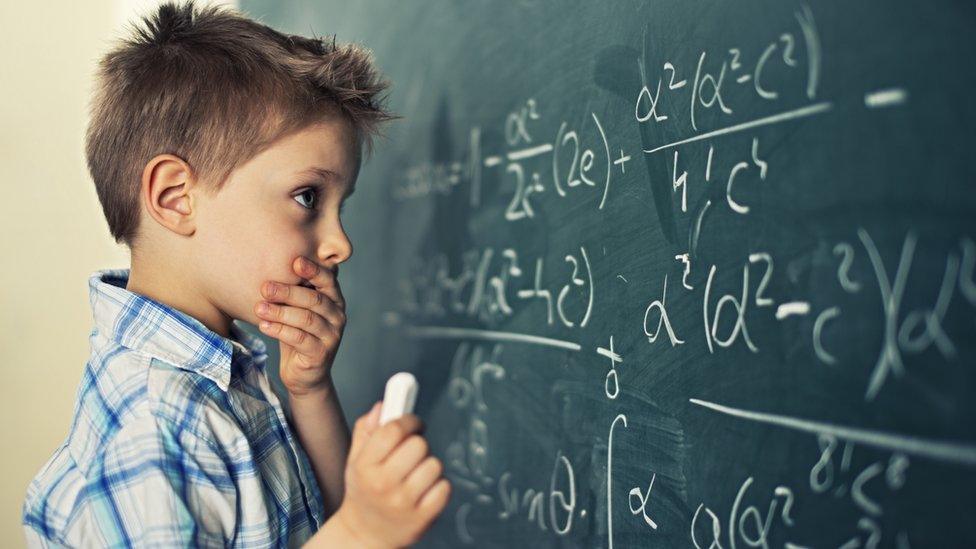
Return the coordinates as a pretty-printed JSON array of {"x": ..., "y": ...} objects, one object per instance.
[{"x": 53, "y": 232}]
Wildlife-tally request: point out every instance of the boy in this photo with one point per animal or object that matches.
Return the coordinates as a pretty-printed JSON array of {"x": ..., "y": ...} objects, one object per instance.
[{"x": 222, "y": 151}]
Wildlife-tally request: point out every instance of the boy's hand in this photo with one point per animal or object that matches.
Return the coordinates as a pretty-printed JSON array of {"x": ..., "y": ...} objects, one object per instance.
[
  {"x": 394, "y": 490},
  {"x": 308, "y": 325}
]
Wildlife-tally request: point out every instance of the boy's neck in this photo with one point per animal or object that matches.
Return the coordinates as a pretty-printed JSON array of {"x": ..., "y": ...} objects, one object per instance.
[{"x": 174, "y": 290}]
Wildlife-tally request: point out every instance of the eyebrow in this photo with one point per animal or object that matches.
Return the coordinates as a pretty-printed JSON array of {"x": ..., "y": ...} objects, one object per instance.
[
  {"x": 320, "y": 172},
  {"x": 328, "y": 175}
]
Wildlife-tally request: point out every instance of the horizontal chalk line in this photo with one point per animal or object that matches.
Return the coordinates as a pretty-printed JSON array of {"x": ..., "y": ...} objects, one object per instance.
[
  {"x": 783, "y": 116},
  {"x": 530, "y": 152},
  {"x": 472, "y": 333},
  {"x": 956, "y": 452}
]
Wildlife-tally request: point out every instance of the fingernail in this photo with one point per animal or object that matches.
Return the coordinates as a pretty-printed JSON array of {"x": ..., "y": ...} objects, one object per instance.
[{"x": 263, "y": 308}]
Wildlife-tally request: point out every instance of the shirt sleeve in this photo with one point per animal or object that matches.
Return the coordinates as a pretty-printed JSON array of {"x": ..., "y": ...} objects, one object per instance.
[{"x": 157, "y": 485}]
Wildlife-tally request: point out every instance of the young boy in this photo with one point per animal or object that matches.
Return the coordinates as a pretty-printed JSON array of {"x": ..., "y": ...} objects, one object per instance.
[{"x": 222, "y": 151}]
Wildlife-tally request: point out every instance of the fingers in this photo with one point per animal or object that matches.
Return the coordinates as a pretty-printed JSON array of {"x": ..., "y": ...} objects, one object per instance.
[
  {"x": 436, "y": 498},
  {"x": 406, "y": 456},
  {"x": 387, "y": 437},
  {"x": 301, "y": 299},
  {"x": 363, "y": 428},
  {"x": 314, "y": 347},
  {"x": 304, "y": 319},
  {"x": 391, "y": 478},
  {"x": 423, "y": 477},
  {"x": 325, "y": 280}
]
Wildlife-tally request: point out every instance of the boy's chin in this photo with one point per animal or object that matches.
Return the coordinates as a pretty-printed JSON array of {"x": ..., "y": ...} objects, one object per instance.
[
  {"x": 248, "y": 317},
  {"x": 252, "y": 319}
]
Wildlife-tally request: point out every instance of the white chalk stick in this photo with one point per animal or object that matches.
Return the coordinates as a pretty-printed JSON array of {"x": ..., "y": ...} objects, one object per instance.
[{"x": 399, "y": 396}]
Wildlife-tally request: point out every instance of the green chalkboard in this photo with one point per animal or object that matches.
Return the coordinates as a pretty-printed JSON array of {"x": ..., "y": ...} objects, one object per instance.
[{"x": 673, "y": 273}]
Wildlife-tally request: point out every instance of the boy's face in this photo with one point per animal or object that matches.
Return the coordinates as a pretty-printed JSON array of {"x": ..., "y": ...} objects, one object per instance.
[{"x": 272, "y": 209}]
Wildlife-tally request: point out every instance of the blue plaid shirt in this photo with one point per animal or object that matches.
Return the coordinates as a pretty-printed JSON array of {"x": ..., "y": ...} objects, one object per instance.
[{"x": 177, "y": 439}]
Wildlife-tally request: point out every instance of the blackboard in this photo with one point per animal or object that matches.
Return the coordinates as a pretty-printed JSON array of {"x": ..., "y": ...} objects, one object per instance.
[{"x": 673, "y": 273}]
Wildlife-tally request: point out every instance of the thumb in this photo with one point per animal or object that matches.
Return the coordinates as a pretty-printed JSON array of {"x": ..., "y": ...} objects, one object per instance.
[
  {"x": 364, "y": 427},
  {"x": 373, "y": 417}
]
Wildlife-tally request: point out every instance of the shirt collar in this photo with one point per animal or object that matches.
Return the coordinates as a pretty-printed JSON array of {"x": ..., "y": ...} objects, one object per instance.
[{"x": 142, "y": 323}]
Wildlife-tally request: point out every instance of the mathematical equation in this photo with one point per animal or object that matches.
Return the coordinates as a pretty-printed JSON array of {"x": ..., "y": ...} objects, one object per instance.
[{"x": 548, "y": 164}]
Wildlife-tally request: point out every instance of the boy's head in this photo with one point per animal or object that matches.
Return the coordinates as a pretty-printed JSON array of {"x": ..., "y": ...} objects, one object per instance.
[{"x": 221, "y": 149}]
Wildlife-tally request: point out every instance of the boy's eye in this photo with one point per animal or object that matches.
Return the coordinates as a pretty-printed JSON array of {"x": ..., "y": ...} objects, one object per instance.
[{"x": 315, "y": 197}]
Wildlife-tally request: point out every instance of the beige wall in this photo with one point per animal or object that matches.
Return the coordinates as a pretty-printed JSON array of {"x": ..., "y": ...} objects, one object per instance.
[{"x": 53, "y": 232}]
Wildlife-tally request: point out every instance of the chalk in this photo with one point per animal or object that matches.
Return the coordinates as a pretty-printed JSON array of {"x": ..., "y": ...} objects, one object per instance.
[{"x": 399, "y": 397}]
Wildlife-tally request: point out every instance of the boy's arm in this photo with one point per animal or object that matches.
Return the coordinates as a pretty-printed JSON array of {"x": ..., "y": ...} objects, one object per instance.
[
  {"x": 321, "y": 428},
  {"x": 337, "y": 533}
]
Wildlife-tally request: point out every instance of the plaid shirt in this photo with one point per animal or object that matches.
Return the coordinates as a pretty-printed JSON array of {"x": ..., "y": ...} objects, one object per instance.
[{"x": 177, "y": 439}]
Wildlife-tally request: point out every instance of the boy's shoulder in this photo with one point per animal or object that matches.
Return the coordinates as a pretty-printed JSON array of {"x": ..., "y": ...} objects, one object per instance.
[
  {"x": 153, "y": 363},
  {"x": 154, "y": 390},
  {"x": 126, "y": 394}
]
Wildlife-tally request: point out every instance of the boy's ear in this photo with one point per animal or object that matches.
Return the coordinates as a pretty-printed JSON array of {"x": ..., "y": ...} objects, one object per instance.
[{"x": 166, "y": 183}]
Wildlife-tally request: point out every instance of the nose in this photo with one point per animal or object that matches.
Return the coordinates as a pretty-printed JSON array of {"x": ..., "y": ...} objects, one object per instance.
[{"x": 334, "y": 246}]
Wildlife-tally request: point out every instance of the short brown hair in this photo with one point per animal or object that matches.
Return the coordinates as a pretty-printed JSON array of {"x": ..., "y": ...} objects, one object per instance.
[{"x": 215, "y": 88}]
